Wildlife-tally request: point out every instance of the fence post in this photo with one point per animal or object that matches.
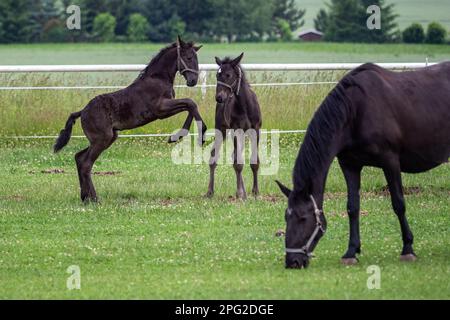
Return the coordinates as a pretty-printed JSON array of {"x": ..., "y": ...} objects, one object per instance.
[{"x": 204, "y": 79}]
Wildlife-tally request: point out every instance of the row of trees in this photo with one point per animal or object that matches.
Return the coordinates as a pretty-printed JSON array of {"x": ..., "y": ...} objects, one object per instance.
[
  {"x": 154, "y": 20},
  {"x": 206, "y": 20},
  {"x": 345, "y": 20}
]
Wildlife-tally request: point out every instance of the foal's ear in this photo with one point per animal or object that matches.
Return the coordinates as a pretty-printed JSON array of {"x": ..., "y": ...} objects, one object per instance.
[
  {"x": 218, "y": 61},
  {"x": 236, "y": 61},
  {"x": 180, "y": 42},
  {"x": 196, "y": 48},
  {"x": 283, "y": 188}
]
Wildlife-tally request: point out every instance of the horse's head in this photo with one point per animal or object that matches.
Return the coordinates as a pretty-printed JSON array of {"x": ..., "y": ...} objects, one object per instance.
[
  {"x": 187, "y": 61},
  {"x": 229, "y": 78},
  {"x": 305, "y": 225}
]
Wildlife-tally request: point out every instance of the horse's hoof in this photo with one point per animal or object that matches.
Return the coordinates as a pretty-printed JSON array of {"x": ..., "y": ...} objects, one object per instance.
[
  {"x": 173, "y": 139},
  {"x": 410, "y": 257},
  {"x": 209, "y": 195},
  {"x": 349, "y": 261}
]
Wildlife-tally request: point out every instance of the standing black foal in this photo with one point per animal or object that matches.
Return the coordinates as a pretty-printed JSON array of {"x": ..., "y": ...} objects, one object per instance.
[
  {"x": 238, "y": 109},
  {"x": 150, "y": 97}
]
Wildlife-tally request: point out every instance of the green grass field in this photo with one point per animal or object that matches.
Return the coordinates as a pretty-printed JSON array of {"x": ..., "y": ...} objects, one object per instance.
[
  {"x": 154, "y": 235},
  {"x": 409, "y": 11}
]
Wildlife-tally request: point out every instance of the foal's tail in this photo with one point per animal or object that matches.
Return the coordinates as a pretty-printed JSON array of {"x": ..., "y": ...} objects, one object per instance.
[{"x": 64, "y": 135}]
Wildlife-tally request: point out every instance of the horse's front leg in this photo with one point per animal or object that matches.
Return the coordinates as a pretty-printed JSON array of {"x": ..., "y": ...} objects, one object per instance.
[
  {"x": 238, "y": 165},
  {"x": 254, "y": 160},
  {"x": 352, "y": 176},
  {"x": 171, "y": 107},
  {"x": 215, "y": 154}
]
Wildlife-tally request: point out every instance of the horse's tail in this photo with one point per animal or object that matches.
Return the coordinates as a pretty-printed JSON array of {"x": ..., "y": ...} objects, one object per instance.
[{"x": 64, "y": 135}]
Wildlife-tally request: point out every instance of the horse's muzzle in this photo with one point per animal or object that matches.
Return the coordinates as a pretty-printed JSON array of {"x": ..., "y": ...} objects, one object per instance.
[
  {"x": 296, "y": 261},
  {"x": 191, "y": 82}
]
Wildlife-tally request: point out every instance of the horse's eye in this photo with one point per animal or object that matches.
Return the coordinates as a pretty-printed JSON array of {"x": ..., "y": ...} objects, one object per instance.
[{"x": 228, "y": 75}]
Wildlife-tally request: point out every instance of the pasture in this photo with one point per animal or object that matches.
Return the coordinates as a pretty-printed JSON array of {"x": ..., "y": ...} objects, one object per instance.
[{"x": 154, "y": 235}]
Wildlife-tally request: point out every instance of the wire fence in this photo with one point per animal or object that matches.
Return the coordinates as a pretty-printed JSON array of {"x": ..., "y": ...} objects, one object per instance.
[{"x": 204, "y": 68}]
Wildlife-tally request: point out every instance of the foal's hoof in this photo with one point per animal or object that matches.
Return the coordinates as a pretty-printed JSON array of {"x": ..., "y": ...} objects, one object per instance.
[
  {"x": 410, "y": 257},
  {"x": 349, "y": 261},
  {"x": 209, "y": 194},
  {"x": 179, "y": 135}
]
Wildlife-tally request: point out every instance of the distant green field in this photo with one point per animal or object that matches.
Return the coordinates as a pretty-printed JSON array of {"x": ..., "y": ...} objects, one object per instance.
[
  {"x": 409, "y": 11},
  {"x": 295, "y": 52}
]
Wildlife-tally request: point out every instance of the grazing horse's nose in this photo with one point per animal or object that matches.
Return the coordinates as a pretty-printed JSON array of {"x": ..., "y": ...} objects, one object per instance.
[
  {"x": 297, "y": 262},
  {"x": 191, "y": 83}
]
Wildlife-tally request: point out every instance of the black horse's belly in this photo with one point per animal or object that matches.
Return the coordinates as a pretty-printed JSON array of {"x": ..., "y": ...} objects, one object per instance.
[{"x": 411, "y": 162}]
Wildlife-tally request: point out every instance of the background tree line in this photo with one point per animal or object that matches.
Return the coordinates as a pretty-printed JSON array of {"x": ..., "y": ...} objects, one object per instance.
[
  {"x": 153, "y": 20},
  {"x": 206, "y": 20}
]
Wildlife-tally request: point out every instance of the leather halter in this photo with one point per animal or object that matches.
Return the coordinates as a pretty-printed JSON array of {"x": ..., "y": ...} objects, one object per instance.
[
  {"x": 181, "y": 62},
  {"x": 238, "y": 80},
  {"x": 305, "y": 249}
]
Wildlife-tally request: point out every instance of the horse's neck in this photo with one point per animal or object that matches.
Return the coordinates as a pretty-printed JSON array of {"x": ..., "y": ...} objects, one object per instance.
[
  {"x": 316, "y": 183},
  {"x": 166, "y": 68},
  {"x": 243, "y": 99}
]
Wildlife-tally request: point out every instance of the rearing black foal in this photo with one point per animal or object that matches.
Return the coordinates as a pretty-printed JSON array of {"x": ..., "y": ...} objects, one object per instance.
[{"x": 150, "y": 97}]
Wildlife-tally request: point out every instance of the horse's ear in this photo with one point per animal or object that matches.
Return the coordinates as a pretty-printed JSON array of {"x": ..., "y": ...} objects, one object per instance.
[
  {"x": 236, "y": 61},
  {"x": 180, "y": 42},
  {"x": 218, "y": 61},
  {"x": 196, "y": 48},
  {"x": 284, "y": 189}
]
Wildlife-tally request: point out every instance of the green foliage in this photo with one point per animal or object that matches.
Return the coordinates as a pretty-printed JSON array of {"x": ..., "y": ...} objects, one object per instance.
[
  {"x": 286, "y": 18},
  {"x": 138, "y": 28},
  {"x": 14, "y": 20},
  {"x": 414, "y": 34},
  {"x": 436, "y": 33},
  {"x": 103, "y": 27},
  {"x": 346, "y": 21},
  {"x": 284, "y": 29},
  {"x": 320, "y": 22}
]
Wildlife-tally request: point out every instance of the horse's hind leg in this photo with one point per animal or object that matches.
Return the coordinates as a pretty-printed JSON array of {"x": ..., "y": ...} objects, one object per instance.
[
  {"x": 86, "y": 159},
  {"x": 394, "y": 180}
]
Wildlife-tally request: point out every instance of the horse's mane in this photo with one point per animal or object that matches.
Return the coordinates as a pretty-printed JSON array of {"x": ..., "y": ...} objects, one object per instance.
[
  {"x": 151, "y": 65},
  {"x": 334, "y": 113}
]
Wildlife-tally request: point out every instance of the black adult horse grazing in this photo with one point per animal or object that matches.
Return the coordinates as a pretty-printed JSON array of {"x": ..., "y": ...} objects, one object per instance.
[
  {"x": 399, "y": 122},
  {"x": 150, "y": 97},
  {"x": 237, "y": 109}
]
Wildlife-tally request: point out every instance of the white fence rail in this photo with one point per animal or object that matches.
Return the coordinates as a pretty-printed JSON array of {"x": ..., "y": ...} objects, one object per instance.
[{"x": 207, "y": 67}]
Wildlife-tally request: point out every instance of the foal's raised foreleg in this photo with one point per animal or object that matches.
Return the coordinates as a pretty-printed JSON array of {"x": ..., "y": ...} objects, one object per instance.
[
  {"x": 171, "y": 107},
  {"x": 215, "y": 154},
  {"x": 352, "y": 176},
  {"x": 394, "y": 180}
]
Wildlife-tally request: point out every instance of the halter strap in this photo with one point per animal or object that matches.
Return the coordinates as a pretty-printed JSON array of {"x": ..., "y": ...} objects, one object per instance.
[
  {"x": 239, "y": 81},
  {"x": 305, "y": 249},
  {"x": 181, "y": 62}
]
